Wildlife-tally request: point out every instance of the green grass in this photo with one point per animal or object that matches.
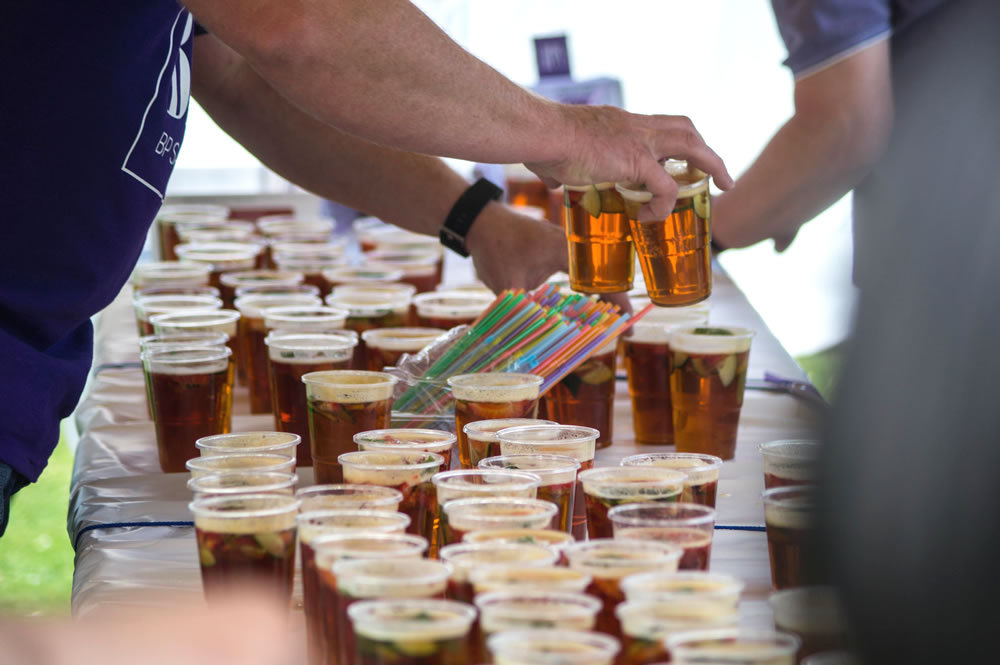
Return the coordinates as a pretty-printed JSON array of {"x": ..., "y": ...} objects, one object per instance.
[
  {"x": 36, "y": 558},
  {"x": 823, "y": 369}
]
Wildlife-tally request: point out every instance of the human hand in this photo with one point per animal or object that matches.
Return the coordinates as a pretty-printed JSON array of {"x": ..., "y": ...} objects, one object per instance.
[{"x": 612, "y": 145}]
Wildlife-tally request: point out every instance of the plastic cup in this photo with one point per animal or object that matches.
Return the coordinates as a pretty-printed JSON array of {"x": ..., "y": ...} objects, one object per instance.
[
  {"x": 731, "y": 646},
  {"x": 384, "y": 347},
  {"x": 349, "y": 497},
  {"x": 576, "y": 442},
  {"x": 601, "y": 255},
  {"x": 519, "y": 577},
  {"x": 462, "y": 516},
  {"x": 169, "y": 273},
  {"x": 175, "y": 340},
  {"x": 789, "y": 462},
  {"x": 517, "y": 610},
  {"x": 557, "y": 540},
  {"x": 684, "y": 585},
  {"x": 552, "y": 647},
  {"x": 688, "y": 525},
  {"x": 558, "y": 475},
  {"x": 447, "y": 309},
  {"x": 646, "y": 625},
  {"x": 430, "y": 631},
  {"x": 466, "y": 558},
  {"x": 371, "y": 307},
  {"x": 222, "y": 257},
  {"x": 608, "y": 561},
  {"x": 190, "y": 393},
  {"x": 290, "y": 357},
  {"x": 219, "y": 320},
  {"x": 279, "y": 443},
  {"x": 586, "y": 396},
  {"x": 271, "y": 290},
  {"x": 789, "y": 519},
  {"x": 253, "y": 330},
  {"x": 369, "y": 274},
  {"x": 701, "y": 484},
  {"x": 814, "y": 614},
  {"x": 706, "y": 387},
  {"x": 246, "y": 539},
  {"x": 172, "y": 214},
  {"x": 421, "y": 269},
  {"x": 418, "y": 440},
  {"x": 202, "y": 466},
  {"x": 482, "y": 435},
  {"x": 151, "y": 305},
  {"x": 343, "y": 403},
  {"x": 310, "y": 258},
  {"x": 408, "y": 472},
  {"x": 231, "y": 483},
  {"x": 611, "y": 486},
  {"x": 491, "y": 396},
  {"x": 230, "y": 282}
]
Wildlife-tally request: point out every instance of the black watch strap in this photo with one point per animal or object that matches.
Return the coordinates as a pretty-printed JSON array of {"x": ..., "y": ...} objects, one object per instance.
[{"x": 472, "y": 201}]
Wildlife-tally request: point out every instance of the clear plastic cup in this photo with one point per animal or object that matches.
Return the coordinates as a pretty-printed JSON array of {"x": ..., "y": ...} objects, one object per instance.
[
  {"x": 552, "y": 647},
  {"x": 384, "y": 347},
  {"x": 149, "y": 306},
  {"x": 702, "y": 471},
  {"x": 411, "y": 439},
  {"x": 520, "y": 577},
  {"x": 172, "y": 273},
  {"x": 814, "y": 614},
  {"x": 462, "y": 516},
  {"x": 789, "y": 517},
  {"x": 350, "y": 497},
  {"x": 370, "y": 307},
  {"x": 611, "y": 486},
  {"x": 558, "y": 474},
  {"x": 251, "y": 350},
  {"x": 517, "y": 610},
  {"x": 684, "y": 585},
  {"x": 231, "y": 483},
  {"x": 447, "y": 309},
  {"x": 646, "y": 624},
  {"x": 491, "y": 396},
  {"x": 465, "y": 558},
  {"x": 688, "y": 525},
  {"x": 733, "y": 646},
  {"x": 202, "y": 466},
  {"x": 279, "y": 443},
  {"x": 415, "y": 630},
  {"x": 482, "y": 435},
  {"x": 789, "y": 462}
]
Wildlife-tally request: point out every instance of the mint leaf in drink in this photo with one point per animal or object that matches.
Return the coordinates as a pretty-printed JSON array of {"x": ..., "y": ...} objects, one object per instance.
[{"x": 712, "y": 331}]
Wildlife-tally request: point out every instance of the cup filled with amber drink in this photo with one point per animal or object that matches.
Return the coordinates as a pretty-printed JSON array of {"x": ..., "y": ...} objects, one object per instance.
[
  {"x": 190, "y": 392},
  {"x": 408, "y": 472},
  {"x": 349, "y": 497},
  {"x": 607, "y": 487},
  {"x": 385, "y": 579},
  {"x": 608, "y": 561},
  {"x": 646, "y": 624},
  {"x": 521, "y": 577},
  {"x": 491, "y": 396},
  {"x": 412, "y": 439},
  {"x": 169, "y": 216},
  {"x": 370, "y": 307},
  {"x": 706, "y": 387},
  {"x": 290, "y": 357},
  {"x": 343, "y": 403},
  {"x": 246, "y": 539},
  {"x": 412, "y": 632},
  {"x": 385, "y": 347},
  {"x": 250, "y": 347},
  {"x": 789, "y": 462},
  {"x": 466, "y": 558},
  {"x": 556, "y": 539},
  {"x": 532, "y": 609},
  {"x": 249, "y": 442},
  {"x": 462, "y": 516},
  {"x": 231, "y": 281},
  {"x": 586, "y": 395},
  {"x": 580, "y": 443},
  {"x": 552, "y": 647},
  {"x": 148, "y": 306},
  {"x": 558, "y": 476},
  {"x": 674, "y": 253},
  {"x": 153, "y": 274},
  {"x": 319, "y": 585},
  {"x": 231, "y": 483},
  {"x": 208, "y": 464},
  {"x": 309, "y": 258},
  {"x": 482, "y": 435},
  {"x": 222, "y": 257},
  {"x": 687, "y": 525},
  {"x": 421, "y": 266},
  {"x": 648, "y": 366},
  {"x": 789, "y": 517},
  {"x": 599, "y": 239},
  {"x": 814, "y": 614},
  {"x": 358, "y": 275},
  {"x": 447, "y": 309},
  {"x": 733, "y": 646},
  {"x": 682, "y": 586},
  {"x": 476, "y": 483},
  {"x": 701, "y": 484}
]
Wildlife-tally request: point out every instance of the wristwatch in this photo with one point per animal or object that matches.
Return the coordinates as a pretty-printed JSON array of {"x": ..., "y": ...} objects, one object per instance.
[{"x": 472, "y": 201}]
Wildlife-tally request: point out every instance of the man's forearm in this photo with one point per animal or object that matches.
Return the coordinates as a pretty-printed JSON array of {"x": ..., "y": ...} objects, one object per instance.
[{"x": 383, "y": 71}]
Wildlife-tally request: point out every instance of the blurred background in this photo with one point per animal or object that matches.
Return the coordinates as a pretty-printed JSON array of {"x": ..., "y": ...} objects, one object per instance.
[{"x": 717, "y": 62}]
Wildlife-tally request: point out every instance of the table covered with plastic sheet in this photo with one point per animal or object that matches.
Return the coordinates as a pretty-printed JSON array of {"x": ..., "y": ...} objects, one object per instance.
[{"x": 130, "y": 523}]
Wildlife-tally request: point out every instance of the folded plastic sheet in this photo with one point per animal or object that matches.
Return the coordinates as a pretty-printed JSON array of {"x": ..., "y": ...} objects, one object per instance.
[{"x": 117, "y": 480}]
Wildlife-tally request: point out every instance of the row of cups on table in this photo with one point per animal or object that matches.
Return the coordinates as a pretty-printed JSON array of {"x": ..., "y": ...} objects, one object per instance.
[
  {"x": 254, "y": 534},
  {"x": 205, "y": 235}
]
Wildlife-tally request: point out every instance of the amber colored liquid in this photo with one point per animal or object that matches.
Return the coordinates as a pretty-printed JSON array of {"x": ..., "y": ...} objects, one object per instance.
[
  {"x": 288, "y": 396},
  {"x": 359, "y": 324},
  {"x": 706, "y": 412},
  {"x": 533, "y": 192},
  {"x": 468, "y": 412},
  {"x": 454, "y": 651},
  {"x": 331, "y": 606},
  {"x": 480, "y": 450},
  {"x": 579, "y": 529},
  {"x": 774, "y": 480},
  {"x": 168, "y": 240},
  {"x": 640, "y": 651},
  {"x": 461, "y": 591},
  {"x": 230, "y": 560},
  {"x": 585, "y": 397},
  {"x": 145, "y": 328},
  {"x": 347, "y": 652},
  {"x": 598, "y": 523},
  {"x": 601, "y": 255},
  {"x": 311, "y": 603},
  {"x": 378, "y": 358},
  {"x": 187, "y": 407},
  {"x": 424, "y": 283},
  {"x": 561, "y": 494},
  {"x": 444, "y": 323},
  {"x": 703, "y": 493},
  {"x": 257, "y": 355},
  {"x": 316, "y": 279},
  {"x": 648, "y": 367},
  {"x": 793, "y": 562},
  {"x": 696, "y": 543},
  {"x": 610, "y": 594},
  {"x": 332, "y": 427}
]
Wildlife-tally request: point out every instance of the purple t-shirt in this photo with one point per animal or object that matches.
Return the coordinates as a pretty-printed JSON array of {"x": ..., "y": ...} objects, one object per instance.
[
  {"x": 818, "y": 32},
  {"x": 95, "y": 101}
]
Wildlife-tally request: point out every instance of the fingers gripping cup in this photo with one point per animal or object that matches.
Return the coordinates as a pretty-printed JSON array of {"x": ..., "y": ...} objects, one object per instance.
[
  {"x": 601, "y": 255},
  {"x": 490, "y": 396},
  {"x": 706, "y": 387},
  {"x": 674, "y": 253},
  {"x": 343, "y": 403}
]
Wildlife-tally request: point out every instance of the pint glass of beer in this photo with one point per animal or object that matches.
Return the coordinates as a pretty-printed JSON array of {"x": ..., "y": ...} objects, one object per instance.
[
  {"x": 706, "y": 387},
  {"x": 789, "y": 462},
  {"x": 290, "y": 357},
  {"x": 319, "y": 586},
  {"x": 552, "y": 647},
  {"x": 465, "y": 558},
  {"x": 343, "y": 403},
  {"x": 558, "y": 476},
  {"x": 230, "y": 281},
  {"x": 648, "y": 365},
  {"x": 482, "y": 435},
  {"x": 490, "y": 396},
  {"x": 733, "y": 646},
  {"x": 610, "y": 486},
  {"x": 412, "y": 632},
  {"x": 447, "y": 309},
  {"x": 701, "y": 484},
  {"x": 586, "y": 396},
  {"x": 789, "y": 519},
  {"x": 246, "y": 539},
  {"x": 687, "y": 525},
  {"x": 384, "y": 347},
  {"x": 601, "y": 255},
  {"x": 190, "y": 392},
  {"x": 675, "y": 253}
]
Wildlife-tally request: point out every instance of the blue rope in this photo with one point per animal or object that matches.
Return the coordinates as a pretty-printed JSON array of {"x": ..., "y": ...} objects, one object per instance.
[
  {"x": 723, "y": 527},
  {"x": 120, "y": 525}
]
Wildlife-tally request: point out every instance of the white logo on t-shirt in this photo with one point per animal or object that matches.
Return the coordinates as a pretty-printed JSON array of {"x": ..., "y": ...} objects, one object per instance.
[{"x": 180, "y": 77}]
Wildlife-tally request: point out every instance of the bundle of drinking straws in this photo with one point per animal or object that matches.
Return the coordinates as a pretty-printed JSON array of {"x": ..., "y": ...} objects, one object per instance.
[{"x": 544, "y": 332}]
